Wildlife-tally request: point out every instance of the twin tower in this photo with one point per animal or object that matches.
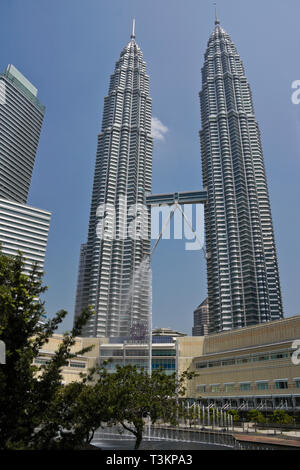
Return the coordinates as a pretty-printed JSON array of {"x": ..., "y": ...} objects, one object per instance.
[{"x": 242, "y": 271}]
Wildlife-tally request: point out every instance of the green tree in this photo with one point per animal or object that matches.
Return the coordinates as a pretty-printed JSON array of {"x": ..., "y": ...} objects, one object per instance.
[
  {"x": 26, "y": 398},
  {"x": 281, "y": 417},
  {"x": 135, "y": 395},
  {"x": 256, "y": 416},
  {"x": 78, "y": 410},
  {"x": 235, "y": 415},
  {"x": 189, "y": 414}
]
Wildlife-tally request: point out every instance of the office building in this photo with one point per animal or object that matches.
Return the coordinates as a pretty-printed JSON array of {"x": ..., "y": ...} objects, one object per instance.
[
  {"x": 201, "y": 319},
  {"x": 24, "y": 228},
  {"x": 21, "y": 119},
  {"x": 242, "y": 270},
  {"x": 119, "y": 228}
]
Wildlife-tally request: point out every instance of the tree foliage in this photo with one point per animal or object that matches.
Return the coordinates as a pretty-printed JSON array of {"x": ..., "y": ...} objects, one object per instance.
[
  {"x": 135, "y": 396},
  {"x": 25, "y": 397},
  {"x": 235, "y": 415},
  {"x": 281, "y": 417},
  {"x": 256, "y": 416}
]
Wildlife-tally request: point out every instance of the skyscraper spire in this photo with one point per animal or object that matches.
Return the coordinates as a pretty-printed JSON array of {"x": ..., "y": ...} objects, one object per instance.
[
  {"x": 217, "y": 21},
  {"x": 133, "y": 29}
]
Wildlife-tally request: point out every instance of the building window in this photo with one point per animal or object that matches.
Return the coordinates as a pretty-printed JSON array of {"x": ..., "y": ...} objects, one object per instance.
[
  {"x": 201, "y": 365},
  {"x": 111, "y": 352},
  {"x": 245, "y": 387},
  {"x": 228, "y": 362},
  {"x": 262, "y": 385},
  {"x": 137, "y": 352},
  {"x": 163, "y": 363},
  {"x": 41, "y": 361},
  {"x": 78, "y": 365},
  {"x": 229, "y": 387},
  {"x": 280, "y": 355},
  {"x": 264, "y": 357},
  {"x": 281, "y": 384},
  {"x": 297, "y": 382},
  {"x": 243, "y": 360},
  {"x": 214, "y": 364},
  {"x": 215, "y": 388},
  {"x": 201, "y": 388},
  {"x": 163, "y": 352}
]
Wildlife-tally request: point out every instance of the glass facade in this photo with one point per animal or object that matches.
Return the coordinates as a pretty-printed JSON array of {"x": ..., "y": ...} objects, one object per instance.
[
  {"x": 242, "y": 271},
  {"x": 274, "y": 355},
  {"x": 24, "y": 228},
  {"x": 245, "y": 387},
  {"x": 262, "y": 385},
  {"x": 281, "y": 384},
  {"x": 21, "y": 119},
  {"x": 228, "y": 387},
  {"x": 123, "y": 174},
  {"x": 164, "y": 359}
]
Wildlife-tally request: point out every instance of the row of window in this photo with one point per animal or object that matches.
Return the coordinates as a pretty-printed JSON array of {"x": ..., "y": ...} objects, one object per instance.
[
  {"x": 273, "y": 355},
  {"x": 44, "y": 361},
  {"x": 165, "y": 364},
  {"x": 247, "y": 386},
  {"x": 137, "y": 352}
]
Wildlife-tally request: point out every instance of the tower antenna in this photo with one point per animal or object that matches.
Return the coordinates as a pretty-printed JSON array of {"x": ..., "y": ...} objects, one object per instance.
[
  {"x": 217, "y": 21},
  {"x": 133, "y": 29}
]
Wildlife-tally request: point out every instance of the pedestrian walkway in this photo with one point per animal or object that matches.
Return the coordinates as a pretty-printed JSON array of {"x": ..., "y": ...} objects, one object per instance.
[{"x": 267, "y": 440}]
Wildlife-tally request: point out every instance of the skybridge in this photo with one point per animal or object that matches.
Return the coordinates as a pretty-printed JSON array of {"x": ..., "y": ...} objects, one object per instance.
[
  {"x": 176, "y": 200},
  {"x": 187, "y": 197}
]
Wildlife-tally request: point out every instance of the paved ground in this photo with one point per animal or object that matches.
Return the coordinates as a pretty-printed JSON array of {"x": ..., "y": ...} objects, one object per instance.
[
  {"x": 267, "y": 440},
  {"x": 250, "y": 428}
]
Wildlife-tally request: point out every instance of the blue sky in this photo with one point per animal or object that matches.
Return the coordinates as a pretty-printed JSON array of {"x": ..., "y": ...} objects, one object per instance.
[{"x": 68, "y": 49}]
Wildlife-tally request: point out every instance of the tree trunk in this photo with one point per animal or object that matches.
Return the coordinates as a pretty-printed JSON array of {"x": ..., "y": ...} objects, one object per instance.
[
  {"x": 139, "y": 437},
  {"x": 90, "y": 436}
]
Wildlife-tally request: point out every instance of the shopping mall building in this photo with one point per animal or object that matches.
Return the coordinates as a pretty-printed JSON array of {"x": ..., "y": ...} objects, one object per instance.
[{"x": 252, "y": 367}]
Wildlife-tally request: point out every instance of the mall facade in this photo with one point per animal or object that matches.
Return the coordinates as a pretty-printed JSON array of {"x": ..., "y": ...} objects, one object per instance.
[{"x": 252, "y": 367}]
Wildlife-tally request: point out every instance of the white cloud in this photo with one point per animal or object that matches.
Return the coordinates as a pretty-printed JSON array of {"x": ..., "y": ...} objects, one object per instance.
[{"x": 158, "y": 129}]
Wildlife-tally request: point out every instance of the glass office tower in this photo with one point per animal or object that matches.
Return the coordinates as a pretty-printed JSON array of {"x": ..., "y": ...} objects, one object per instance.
[
  {"x": 242, "y": 271},
  {"x": 21, "y": 119},
  {"x": 22, "y": 228},
  {"x": 110, "y": 274}
]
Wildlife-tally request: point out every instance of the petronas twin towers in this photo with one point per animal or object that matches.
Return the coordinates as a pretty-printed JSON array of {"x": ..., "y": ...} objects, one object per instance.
[
  {"x": 242, "y": 271},
  {"x": 123, "y": 173}
]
